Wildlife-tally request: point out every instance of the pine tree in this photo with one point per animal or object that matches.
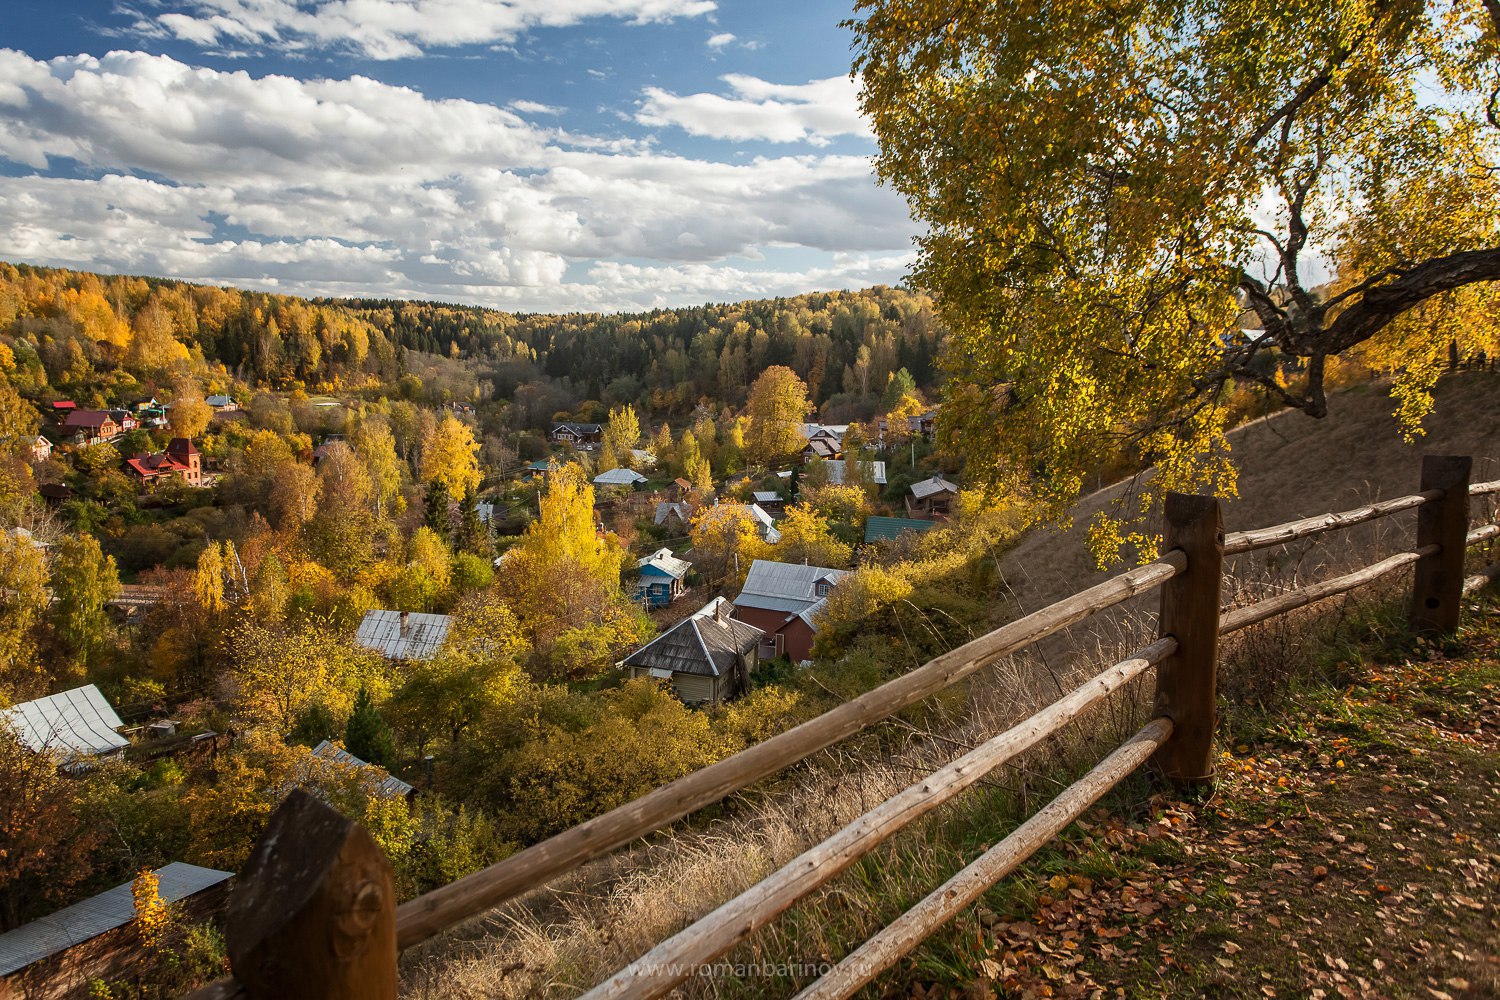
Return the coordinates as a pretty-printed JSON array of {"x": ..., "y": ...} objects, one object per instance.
[{"x": 367, "y": 736}]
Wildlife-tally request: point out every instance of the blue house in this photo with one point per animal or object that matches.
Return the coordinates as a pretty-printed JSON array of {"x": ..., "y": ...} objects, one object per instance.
[{"x": 661, "y": 578}]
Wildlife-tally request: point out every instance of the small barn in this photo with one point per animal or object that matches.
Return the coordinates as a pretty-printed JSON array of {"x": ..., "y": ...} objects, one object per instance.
[
  {"x": 577, "y": 434},
  {"x": 661, "y": 580},
  {"x": 707, "y": 658},
  {"x": 874, "y": 471},
  {"x": 403, "y": 635},
  {"x": 931, "y": 498},
  {"x": 672, "y": 515}
]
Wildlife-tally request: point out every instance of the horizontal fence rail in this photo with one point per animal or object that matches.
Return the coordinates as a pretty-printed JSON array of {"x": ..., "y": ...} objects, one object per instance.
[
  {"x": 426, "y": 915},
  {"x": 917, "y": 924},
  {"x": 1178, "y": 741},
  {"x": 672, "y": 961}
]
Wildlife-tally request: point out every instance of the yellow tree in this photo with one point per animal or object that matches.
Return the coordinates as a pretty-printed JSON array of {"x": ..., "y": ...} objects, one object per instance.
[
  {"x": 562, "y": 574},
  {"x": 621, "y": 435},
  {"x": 807, "y": 538},
  {"x": 23, "y": 598},
  {"x": 450, "y": 456},
  {"x": 208, "y": 581},
  {"x": 189, "y": 414},
  {"x": 726, "y": 539},
  {"x": 376, "y": 447},
  {"x": 777, "y": 407},
  {"x": 1132, "y": 210}
]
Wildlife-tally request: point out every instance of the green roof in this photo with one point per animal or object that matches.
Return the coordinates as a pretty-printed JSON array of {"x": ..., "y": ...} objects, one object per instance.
[{"x": 881, "y": 528}]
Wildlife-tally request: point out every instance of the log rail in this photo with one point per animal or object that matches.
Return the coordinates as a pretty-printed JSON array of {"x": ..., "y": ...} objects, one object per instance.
[{"x": 351, "y": 899}]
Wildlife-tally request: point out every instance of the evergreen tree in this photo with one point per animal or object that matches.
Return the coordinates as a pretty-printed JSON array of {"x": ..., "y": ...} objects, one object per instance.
[{"x": 367, "y": 736}]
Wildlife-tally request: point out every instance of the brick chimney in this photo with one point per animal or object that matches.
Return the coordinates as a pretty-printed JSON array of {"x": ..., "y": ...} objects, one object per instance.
[{"x": 405, "y": 624}]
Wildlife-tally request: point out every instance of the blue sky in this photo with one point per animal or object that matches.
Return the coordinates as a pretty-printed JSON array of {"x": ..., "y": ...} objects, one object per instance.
[{"x": 526, "y": 154}]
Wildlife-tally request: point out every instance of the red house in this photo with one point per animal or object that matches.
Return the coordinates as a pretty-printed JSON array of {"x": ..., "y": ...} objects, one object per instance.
[
  {"x": 91, "y": 426},
  {"x": 180, "y": 459},
  {"x": 782, "y": 600}
]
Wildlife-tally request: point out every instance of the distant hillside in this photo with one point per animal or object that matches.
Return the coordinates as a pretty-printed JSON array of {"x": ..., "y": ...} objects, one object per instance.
[{"x": 844, "y": 345}]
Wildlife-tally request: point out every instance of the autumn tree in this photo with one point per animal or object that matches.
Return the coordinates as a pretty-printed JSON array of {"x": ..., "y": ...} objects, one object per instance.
[
  {"x": 339, "y": 532},
  {"x": 376, "y": 447},
  {"x": 807, "y": 538},
  {"x": 84, "y": 580},
  {"x": 621, "y": 434},
  {"x": 726, "y": 539},
  {"x": 450, "y": 455},
  {"x": 1132, "y": 210},
  {"x": 45, "y": 842},
  {"x": 23, "y": 598},
  {"x": 188, "y": 415},
  {"x": 777, "y": 407}
]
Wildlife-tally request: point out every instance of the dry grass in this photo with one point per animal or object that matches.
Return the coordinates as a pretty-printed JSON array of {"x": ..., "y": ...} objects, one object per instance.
[{"x": 558, "y": 941}]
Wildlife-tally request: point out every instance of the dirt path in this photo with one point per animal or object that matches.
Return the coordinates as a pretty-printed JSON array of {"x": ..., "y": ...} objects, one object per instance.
[{"x": 1350, "y": 849}]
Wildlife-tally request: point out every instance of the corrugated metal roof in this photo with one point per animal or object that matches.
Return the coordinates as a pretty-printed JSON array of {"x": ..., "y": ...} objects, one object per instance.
[
  {"x": 767, "y": 496},
  {"x": 665, "y": 510},
  {"x": 789, "y": 587},
  {"x": 79, "y": 721},
  {"x": 381, "y": 631},
  {"x": 704, "y": 644},
  {"x": 927, "y": 487},
  {"x": 619, "y": 477},
  {"x": 876, "y": 469},
  {"x": 389, "y": 785},
  {"x": 78, "y": 923},
  {"x": 880, "y": 528},
  {"x": 664, "y": 560}
]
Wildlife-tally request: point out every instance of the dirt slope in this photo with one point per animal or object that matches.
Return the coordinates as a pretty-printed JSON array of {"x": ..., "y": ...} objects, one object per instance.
[{"x": 1293, "y": 466}]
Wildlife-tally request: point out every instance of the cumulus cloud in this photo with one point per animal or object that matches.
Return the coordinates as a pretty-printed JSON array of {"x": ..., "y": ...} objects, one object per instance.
[
  {"x": 388, "y": 29},
  {"x": 356, "y": 186},
  {"x": 813, "y": 112},
  {"x": 720, "y": 40},
  {"x": 536, "y": 108}
]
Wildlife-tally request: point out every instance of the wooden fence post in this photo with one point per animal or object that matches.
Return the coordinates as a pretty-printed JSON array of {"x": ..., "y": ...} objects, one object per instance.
[
  {"x": 314, "y": 915},
  {"x": 1438, "y": 584},
  {"x": 1187, "y": 682}
]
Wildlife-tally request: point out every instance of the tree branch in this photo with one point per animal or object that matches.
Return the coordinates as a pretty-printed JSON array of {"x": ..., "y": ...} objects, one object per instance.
[{"x": 1382, "y": 304}]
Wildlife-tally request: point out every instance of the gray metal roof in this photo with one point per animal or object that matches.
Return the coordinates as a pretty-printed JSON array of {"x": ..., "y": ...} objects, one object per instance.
[
  {"x": 876, "y": 469},
  {"x": 76, "y": 722},
  {"x": 789, "y": 587},
  {"x": 664, "y": 560},
  {"x": 665, "y": 510},
  {"x": 705, "y": 644},
  {"x": 382, "y": 632},
  {"x": 927, "y": 487},
  {"x": 767, "y": 496},
  {"x": 389, "y": 785},
  {"x": 78, "y": 923},
  {"x": 619, "y": 477}
]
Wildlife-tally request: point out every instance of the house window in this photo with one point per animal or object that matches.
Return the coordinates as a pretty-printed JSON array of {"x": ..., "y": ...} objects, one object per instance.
[{"x": 822, "y": 588}]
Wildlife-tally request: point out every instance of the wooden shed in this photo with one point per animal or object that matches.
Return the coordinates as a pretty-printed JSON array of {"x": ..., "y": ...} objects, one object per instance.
[{"x": 707, "y": 658}]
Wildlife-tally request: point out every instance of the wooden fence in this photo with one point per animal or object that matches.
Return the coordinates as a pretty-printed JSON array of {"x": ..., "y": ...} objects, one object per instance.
[{"x": 315, "y": 916}]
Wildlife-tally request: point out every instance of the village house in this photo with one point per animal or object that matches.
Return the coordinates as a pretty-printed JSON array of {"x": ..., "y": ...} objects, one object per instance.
[
  {"x": 125, "y": 418},
  {"x": 71, "y": 724},
  {"x": 923, "y": 424},
  {"x": 41, "y": 449},
  {"x": 679, "y": 489},
  {"x": 384, "y": 782},
  {"x": 882, "y": 529},
  {"x": 931, "y": 498},
  {"x": 706, "y": 658},
  {"x": 222, "y": 403},
  {"x": 98, "y": 939},
  {"x": 403, "y": 635},
  {"x": 825, "y": 441},
  {"x": 621, "y": 478},
  {"x": 874, "y": 470},
  {"x": 661, "y": 579},
  {"x": 769, "y": 501},
  {"x": 781, "y": 600},
  {"x": 673, "y": 515},
  {"x": 577, "y": 435},
  {"x": 181, "y": 459},
  {"x": 538, "y": 468},
  {"x": 89, "y": 427}
]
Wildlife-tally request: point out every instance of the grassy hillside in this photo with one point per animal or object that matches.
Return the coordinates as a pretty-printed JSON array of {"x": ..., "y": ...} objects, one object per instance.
[{"x": 560, "y": 940}]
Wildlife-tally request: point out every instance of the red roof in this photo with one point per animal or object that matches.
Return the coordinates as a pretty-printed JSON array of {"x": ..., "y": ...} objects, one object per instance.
[
  {"x": 91, "y": 419},
  {"x": 151, "y": 466},
  {"x": 64, "y": 404}
]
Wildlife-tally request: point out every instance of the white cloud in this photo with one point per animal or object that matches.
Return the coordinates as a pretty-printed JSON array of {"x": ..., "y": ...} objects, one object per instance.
[
  {"x": 355, "y": 186},
  {"x": 536, "y": 108},
  {"x": 720, "y": 40},
  {"x": 813, "y": 112},
  {"x": 389, "y": 29}
]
